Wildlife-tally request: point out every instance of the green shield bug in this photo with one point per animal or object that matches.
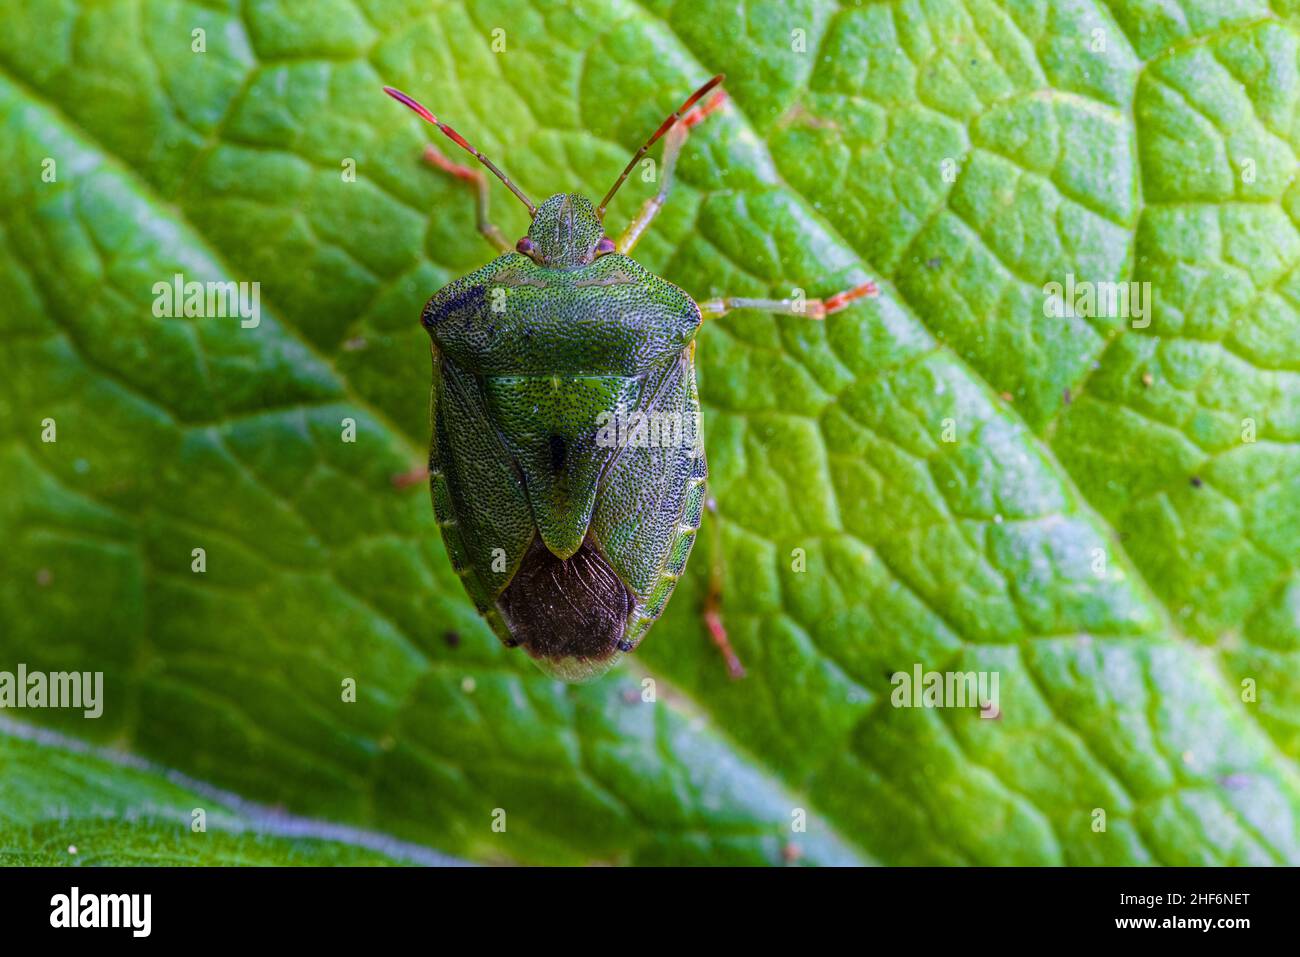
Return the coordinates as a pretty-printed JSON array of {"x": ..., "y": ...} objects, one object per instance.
[{"x": 566, "y": 464}]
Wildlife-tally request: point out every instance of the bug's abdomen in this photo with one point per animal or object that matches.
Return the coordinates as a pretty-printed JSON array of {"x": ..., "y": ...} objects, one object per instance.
[{"x": 569, "y": 613}]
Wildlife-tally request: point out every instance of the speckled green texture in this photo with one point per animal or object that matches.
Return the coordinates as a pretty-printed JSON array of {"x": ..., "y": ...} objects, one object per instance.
[{"x": 1105, "y": 140}]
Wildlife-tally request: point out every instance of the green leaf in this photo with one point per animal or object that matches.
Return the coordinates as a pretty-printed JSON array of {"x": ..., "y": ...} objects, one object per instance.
[{"x": 1099, "y": 534}]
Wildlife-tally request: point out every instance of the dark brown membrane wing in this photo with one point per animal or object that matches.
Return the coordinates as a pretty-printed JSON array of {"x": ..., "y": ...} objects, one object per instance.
[{"x": 566, "y": 609}]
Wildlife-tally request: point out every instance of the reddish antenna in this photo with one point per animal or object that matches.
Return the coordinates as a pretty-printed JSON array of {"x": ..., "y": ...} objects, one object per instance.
[
  {"x": 663, "y": 128},
  {"x": 460, "y": 141}
]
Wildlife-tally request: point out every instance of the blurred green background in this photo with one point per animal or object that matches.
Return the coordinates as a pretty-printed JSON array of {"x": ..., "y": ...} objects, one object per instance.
[{"x": 1105, "y": 531}]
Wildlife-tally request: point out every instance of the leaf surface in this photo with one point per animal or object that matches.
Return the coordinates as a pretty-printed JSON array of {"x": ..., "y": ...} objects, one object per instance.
[{"x": 1097, "y": 534}]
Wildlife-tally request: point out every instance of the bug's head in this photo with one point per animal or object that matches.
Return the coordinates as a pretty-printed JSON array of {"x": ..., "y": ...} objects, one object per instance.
[{"x": 565, "y": 232}]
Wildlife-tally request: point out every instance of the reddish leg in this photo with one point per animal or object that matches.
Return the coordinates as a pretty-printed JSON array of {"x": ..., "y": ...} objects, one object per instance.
[
  {"x": 713, "y": 601},
  {"x": 698, "y": 114},
  {"x": 808, "y": 308},
  {"x": 673, "y": 142},
  {"x": 475, "y": 177},
  {"x": 812, "y": 309},
  {"x": 415, "y": 476}
]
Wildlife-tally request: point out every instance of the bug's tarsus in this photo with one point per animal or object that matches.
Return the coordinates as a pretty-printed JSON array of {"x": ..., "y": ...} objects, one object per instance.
[
  {"x": 807, "y": 308},
  {"x": 713, "y": 600},
  {"x": 718, "y": 631},
  {"x": 460, "y": 141},
  {"x": 664, "y": 127},
  {"x": 415, "y": 476},
  {"x": 841, "y": 299},
  {"x": 700, "y": 113}
]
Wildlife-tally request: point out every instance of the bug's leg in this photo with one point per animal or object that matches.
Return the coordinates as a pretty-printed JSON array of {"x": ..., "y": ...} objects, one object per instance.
[
  {"x": 435, "y": 157},
  {"x": 673, "y": 141},
  {"x": 416, "y": 476},
  {"x": 808, "y": 308},
  {"x": 713, "y": 601}
]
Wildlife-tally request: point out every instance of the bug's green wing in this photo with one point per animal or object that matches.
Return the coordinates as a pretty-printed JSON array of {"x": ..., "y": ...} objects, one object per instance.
[
  {"x": 478, "y": 494},
  {"x": 550, "y": 425},
  {"x": 652, "y": 497}
]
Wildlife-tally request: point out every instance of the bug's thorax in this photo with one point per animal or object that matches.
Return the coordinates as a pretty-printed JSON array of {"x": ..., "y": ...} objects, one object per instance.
[{"x": 516, "y": 317}]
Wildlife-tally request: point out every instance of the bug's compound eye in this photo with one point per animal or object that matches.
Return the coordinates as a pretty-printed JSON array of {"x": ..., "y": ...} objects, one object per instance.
[
  {"x": 525, "y": 246},
  {"x": 605, "y": 246}
]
